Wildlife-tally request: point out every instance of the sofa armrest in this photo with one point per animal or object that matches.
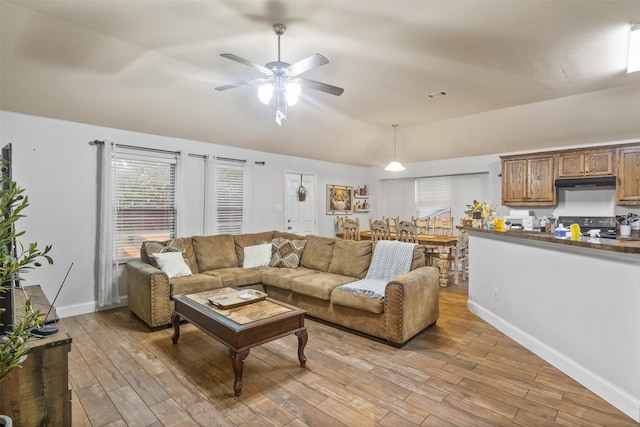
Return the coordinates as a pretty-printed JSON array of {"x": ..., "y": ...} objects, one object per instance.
[
  {"x": 411, "y": 303},
  {"x": 148, "y": 293}
]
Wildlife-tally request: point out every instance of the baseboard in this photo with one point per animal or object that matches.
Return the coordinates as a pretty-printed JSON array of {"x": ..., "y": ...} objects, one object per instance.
[
  {"x": 84, "y": 308},
  {"x": 603, "y": 388}
]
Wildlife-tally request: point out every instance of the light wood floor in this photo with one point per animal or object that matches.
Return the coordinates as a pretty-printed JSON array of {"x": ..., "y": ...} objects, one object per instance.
[{"x": 461, "y": 372}]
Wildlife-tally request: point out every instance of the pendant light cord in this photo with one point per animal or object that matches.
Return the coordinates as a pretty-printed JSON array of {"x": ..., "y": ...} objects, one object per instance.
[{"x": 395, "y": 142}]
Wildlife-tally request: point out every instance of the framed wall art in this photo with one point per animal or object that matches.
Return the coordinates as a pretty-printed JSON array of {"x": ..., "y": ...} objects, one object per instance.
[{"x": 339, "y": 199}]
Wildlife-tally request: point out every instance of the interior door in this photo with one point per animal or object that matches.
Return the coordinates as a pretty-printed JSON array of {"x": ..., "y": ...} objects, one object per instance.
[{"x": 300, "y": 215}]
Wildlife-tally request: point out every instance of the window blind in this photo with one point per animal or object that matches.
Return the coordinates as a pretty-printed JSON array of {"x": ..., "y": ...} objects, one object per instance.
[
  {"x": 433, "y": 196},
  {"x": 144, "y": 190},
  {"x": 229, "y": 187}
]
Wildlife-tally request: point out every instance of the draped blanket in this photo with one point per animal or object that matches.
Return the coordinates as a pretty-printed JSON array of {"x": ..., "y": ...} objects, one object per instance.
[{"x": 390, "y": 260}]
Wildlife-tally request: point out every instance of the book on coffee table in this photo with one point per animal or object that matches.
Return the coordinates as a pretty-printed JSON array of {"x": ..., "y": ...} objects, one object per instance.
[{"x": 237, "y": 299}]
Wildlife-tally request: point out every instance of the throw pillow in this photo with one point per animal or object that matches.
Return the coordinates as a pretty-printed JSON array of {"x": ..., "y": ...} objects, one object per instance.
[
  {"x": 172, "y": 263},
  {"x": 286, "y": 253},
  {"x": 257, "y": 255},
  {"x": 152, "y": 247}
]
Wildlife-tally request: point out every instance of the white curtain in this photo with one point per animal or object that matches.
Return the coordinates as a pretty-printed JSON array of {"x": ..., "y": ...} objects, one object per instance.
[
  {"x": 181, "y": 193},
  {"x": 107, "y": 267}
]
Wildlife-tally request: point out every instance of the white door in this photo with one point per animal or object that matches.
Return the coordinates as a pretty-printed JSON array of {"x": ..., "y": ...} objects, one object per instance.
[{"x": 300, "y": 216}]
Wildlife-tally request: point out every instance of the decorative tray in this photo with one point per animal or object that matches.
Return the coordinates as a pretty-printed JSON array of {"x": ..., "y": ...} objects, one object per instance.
[{"x": 237, "y": 299}]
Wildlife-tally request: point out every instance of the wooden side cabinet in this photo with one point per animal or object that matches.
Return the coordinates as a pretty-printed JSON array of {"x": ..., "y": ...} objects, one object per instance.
[
  {"x": 628, "y": 177},
  {"x": 38, "y": 393},
  {"x": 585, "y": 163},
  {"x": 528, "y": 180}
]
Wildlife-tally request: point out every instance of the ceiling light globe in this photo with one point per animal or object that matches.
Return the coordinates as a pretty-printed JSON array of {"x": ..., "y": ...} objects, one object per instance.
[
  {"x": 292, "y": 92},
  {"x": 265, "y": 92}
]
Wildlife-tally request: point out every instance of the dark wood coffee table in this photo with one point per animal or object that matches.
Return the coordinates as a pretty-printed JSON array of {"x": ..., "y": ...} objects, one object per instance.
[{"x": 241, "y": 328}]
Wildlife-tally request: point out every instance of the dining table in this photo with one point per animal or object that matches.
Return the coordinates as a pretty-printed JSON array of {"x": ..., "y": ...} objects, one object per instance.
[{"x": 441, "y": 243}]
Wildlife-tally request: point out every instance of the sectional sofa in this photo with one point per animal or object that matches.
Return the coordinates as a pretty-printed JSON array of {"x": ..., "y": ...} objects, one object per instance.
[{"x": 306, "y": 271}]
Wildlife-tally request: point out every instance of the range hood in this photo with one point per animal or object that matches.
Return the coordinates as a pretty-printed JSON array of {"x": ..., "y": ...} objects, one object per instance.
[{"x": 596, "y": 181}]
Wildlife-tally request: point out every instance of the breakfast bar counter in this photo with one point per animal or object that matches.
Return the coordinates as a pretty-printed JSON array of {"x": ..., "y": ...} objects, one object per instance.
[
  {"x": 612, "y": 245},
  {"x": 574, "y": 303}
]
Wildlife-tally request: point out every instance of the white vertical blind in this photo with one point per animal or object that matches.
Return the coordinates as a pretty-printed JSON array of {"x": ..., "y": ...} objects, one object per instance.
[
  {"x": 229, "y": 188},
  {"x": 433, "y": 196},
  {"x": 144, "y": 188}
]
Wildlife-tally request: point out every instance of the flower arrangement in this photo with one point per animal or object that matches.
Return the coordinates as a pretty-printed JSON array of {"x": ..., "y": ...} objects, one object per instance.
[{"x": 483, "y": 210}]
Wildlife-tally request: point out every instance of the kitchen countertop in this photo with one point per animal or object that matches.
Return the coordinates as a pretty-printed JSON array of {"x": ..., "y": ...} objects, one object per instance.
[{"x": 612, "y": 245}]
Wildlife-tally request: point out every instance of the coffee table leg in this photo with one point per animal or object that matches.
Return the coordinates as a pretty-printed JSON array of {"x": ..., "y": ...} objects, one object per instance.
[
  {"x": 302, "y": 342},
  {"x": 175, "y": 319},
  {"x": 237, "y": 361}
]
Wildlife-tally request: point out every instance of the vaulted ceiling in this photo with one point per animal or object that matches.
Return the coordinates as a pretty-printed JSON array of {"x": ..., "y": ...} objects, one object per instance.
[{"x": 520, "y": 75}]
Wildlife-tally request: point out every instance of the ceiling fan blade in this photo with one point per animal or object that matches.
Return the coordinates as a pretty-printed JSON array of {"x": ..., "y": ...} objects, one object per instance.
[
  {"x": 306, "y": 64},
  {"x": 241, "y": 60},
  {"x": 322, "y": 87},
  {"x": 254, "y": 82}
]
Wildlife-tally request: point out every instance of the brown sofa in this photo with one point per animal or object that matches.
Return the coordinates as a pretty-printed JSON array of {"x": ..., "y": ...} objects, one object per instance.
[{"x": 410, "y": 303}]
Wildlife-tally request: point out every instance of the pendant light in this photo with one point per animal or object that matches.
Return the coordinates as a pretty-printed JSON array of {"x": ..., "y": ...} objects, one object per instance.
[{"x": 394, "y": 166}]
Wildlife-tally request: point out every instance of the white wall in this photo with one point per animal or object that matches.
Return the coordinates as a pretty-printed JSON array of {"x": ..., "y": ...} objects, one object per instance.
[
  {"x": 575, "y": 307},
  {"x": 54, "y": 163}
]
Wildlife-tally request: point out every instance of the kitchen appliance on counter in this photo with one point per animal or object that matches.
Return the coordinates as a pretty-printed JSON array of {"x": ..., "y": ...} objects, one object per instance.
[
  {"x": 520, "y": 220},
  {"x": 606, "y": 224}
]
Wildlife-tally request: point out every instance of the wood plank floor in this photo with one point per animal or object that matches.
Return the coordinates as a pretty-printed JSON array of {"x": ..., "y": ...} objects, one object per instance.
[{"x": 461, "y": 372}]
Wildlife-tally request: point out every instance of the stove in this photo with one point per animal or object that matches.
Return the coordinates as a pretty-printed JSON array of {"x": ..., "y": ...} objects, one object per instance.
[{"x": 606, "y": 224}]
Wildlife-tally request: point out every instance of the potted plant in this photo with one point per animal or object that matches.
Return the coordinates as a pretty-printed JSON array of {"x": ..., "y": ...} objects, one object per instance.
[{"x": 15, "y": 259}]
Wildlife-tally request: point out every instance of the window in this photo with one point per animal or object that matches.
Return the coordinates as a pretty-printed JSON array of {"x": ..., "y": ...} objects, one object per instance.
[
  {"x": 144, "y": 190},
  {"x": 229, "y": 189},
  {"x": 433, "y": 196}
]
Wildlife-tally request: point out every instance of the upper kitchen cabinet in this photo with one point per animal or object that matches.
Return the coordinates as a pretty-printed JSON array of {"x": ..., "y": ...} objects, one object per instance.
[
  {"x": 528, "y": 180},
  {"x": 579, "y": 163},
  {"x": 628, "y": 184}
]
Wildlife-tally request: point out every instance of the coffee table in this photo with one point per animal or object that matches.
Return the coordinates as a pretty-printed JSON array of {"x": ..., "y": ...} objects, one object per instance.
[{"x": 240, "y": 328}]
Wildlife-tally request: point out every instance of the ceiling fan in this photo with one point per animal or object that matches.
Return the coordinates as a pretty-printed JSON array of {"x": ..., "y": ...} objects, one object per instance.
[{"x": 283, "y": 79}]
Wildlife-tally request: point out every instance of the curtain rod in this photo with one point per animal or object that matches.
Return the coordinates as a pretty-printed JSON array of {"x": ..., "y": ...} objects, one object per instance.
[{"x": 155, "y": 150}]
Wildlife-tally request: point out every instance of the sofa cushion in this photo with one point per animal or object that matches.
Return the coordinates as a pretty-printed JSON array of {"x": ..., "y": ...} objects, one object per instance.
[
  {"x": 356, "y": 300},
  {"x": 196, "y": 283},
  {"x": 172, "y": 263},
  {"x": 282, "y": 277},
  {"x": 257, "y": 255},
  {"x": 237, "y": 276},
  {"x": 151, "y": 247},
  {"x": 351, "y": 258},
  {"x": 319, "y": 285},
  {"x": 318, "y": 253},
  {"x": 286, "y": 253},
  {"x": 215, "y": 252},
  {"x": 243, "y": 240}
]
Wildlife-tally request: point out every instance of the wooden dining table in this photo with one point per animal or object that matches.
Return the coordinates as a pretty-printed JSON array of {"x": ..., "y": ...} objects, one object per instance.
[{"x": 441, "y": 243}]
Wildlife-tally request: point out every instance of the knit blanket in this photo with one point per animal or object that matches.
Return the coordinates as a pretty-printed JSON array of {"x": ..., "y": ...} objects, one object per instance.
[{"x": 390, "y": 260}]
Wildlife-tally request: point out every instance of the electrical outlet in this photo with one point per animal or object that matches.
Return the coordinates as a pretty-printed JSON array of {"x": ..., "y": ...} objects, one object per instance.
[{"x": 496, "y": 294}]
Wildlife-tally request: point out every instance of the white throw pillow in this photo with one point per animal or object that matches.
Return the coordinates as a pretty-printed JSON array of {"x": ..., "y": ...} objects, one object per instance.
[
  {"x": 173, "y": 264},
  {"x": 257, "y": 256}
]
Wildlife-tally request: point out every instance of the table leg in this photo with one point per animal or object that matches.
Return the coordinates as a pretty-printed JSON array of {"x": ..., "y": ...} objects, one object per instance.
[
  {"x": 237, "y": 361},
  {"x": 443, "y": 266},
  {"x": 175, "y": 319},
  {"x": 302, "y": 342}
]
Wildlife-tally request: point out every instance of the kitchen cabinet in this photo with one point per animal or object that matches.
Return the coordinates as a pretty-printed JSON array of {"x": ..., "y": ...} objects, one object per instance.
[
  {"x": 528, "y": 180},
  {"x": 574, "y": 164},
  {"x": 628, "y": 176}
]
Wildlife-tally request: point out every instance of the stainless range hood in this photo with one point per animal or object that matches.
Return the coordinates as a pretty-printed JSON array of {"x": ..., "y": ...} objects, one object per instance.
[{"x": 596, "y": 181}]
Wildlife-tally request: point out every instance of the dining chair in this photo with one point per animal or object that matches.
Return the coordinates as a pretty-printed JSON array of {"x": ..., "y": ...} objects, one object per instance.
[
  {"x": 379, "y": 229},
  {"x": 443, "y": 226},
  {"x": 422, "y": 224},
  {"x": 392, "y": 223},
  {"x": 461, "y": 256},
  {"x": 340, "y": 225},
  {"x": 406, "y": 231},
  {"x": 351, "y": 229}
]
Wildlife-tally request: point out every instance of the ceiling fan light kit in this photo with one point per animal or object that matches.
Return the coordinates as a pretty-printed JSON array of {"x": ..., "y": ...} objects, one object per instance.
[
  {"x": 282, "y": 79},
  {"x": 394, "y": 166}
]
